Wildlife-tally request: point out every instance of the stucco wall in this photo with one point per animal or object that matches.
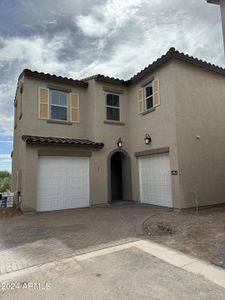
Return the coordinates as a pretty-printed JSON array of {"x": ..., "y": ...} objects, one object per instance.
[
  {"x": 109, "y": 135},
  {"x": 32, "y": 125},
  {"x": 92, "y": 126},
  {"x": 160, "y": 124},
  {"x": 200, "y": 111},
  {"x": 18, "y": 159}
]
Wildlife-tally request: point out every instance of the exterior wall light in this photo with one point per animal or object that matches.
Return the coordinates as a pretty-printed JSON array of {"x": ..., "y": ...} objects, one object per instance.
[
  {"x": 147, "y": 139},
  {"x": 119, "y": 143}
]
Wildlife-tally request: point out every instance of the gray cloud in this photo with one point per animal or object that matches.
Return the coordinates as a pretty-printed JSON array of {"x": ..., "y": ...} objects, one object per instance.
[{"x": 117, "y": 38}]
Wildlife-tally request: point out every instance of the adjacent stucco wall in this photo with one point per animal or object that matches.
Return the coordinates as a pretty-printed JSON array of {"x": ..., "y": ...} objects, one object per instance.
[
  {"x": 200, "y": 111},
  {"x": 160, "y": 124}
]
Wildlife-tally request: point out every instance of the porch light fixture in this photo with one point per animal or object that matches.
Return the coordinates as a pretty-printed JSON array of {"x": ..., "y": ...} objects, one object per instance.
[
  {"x": 147, "y": 139},
  {"x": 119, "y": 143}
]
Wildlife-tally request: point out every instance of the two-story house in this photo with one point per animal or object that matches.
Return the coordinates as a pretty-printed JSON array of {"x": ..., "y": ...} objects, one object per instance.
[{"x": 156, "y": 138}]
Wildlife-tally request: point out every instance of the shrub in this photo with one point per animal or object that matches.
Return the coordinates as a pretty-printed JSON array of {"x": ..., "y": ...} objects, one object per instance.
[{"x": 5, "y": 181}]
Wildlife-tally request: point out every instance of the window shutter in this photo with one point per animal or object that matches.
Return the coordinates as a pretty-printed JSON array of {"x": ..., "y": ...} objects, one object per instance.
[
  {"x": 156, "y": 98},
  {"x": 43, "y": 103},
  {"x": 140, "y": 100},
  {"x": 74, "y": 108}
]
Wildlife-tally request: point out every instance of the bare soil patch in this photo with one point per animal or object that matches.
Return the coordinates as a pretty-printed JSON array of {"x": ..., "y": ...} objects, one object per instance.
[
  {"x": 199, "y": 234},
  {"x": 9, "y": 212}
]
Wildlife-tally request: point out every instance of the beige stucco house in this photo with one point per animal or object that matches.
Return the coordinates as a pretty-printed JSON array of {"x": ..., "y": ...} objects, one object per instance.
[{"x": 156, "y": 138}]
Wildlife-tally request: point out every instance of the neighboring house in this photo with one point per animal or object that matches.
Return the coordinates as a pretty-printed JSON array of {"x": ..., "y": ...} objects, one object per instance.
[
  {"x": 156, "y": 138},
  {"x": 222, "y": 9}
]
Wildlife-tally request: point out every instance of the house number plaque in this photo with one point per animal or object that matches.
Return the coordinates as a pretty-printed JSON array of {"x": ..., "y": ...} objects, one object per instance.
[{"x": 174, "y": 172}]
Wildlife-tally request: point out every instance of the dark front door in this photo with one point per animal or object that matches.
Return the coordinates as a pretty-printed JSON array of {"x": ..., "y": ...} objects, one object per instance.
[{"x": 116, "y": 177}]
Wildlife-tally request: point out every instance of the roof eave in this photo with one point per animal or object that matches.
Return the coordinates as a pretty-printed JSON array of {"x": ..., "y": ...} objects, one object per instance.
[
  {"x": 110, "y": 80},
  {"x": 152, "y": 67},
  {"x": 59, "y": 79},
  {"x": 33, "y": 140},
  {"x": 174, "y": 54},
  {"x": 65, "y": 144}
]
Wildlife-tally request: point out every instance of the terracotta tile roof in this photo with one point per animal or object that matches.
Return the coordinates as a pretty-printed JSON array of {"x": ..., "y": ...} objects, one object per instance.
[
  {"x": 34, "y": 139},
  {"x": 107, "y": 79},
  {"x": 55, "y": 78},
  {"x": 172, "y": 53}
]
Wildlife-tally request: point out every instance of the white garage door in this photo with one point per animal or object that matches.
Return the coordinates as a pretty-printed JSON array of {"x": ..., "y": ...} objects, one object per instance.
[
  {"x": 63, "y": 182},
  {"x": 155, "y": 180}
]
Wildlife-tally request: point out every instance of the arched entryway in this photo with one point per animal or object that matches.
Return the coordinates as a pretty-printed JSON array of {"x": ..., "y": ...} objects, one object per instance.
[{"x": 119, "y": 176}]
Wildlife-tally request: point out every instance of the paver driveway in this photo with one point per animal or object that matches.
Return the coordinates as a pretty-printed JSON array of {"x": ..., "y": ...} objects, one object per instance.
[{"x": 30, "y": 240}]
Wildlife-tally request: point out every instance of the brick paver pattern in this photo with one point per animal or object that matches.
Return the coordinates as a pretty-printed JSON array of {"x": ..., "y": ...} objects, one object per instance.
[{"x": 31, "y": 240}]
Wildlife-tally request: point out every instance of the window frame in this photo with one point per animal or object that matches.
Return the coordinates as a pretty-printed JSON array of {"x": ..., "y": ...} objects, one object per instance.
[
  {"x": 150, "y": 84},
  {"x": 112, "y": 106},
  {"x": 58, "y": 105}
]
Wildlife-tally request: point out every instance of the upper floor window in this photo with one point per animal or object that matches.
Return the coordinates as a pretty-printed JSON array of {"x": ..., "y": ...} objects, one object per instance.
[
  {"x": 113, "y": 107},
  {"x": 59, "y": 105},
  {"x": 148, "y": 96}
]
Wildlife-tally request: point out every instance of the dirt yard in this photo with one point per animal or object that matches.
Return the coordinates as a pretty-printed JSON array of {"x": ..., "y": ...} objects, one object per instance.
[
  {"x": 9, "y": 212},
  {"x": 199, "y": 234}
]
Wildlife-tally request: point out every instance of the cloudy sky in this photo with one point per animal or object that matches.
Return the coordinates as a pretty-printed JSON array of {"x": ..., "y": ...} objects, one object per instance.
[{"x": 78, "y": 38}]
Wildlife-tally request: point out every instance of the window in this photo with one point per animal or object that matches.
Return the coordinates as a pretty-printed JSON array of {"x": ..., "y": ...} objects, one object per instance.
[
  {"x": 112, "y": 107},
  {"x": 148, "y": 96},
  {"x": 59, "y": 105}
]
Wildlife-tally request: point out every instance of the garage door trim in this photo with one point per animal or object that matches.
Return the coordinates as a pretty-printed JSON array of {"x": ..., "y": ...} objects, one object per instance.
[
  {"x": 152, "y": 151},
  {"x": 44, "y": 152}
]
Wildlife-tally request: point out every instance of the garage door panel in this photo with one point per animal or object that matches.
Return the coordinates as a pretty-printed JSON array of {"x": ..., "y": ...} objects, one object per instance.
[
  {"x": 63, "y": 182},
  {"x": 155, "y": 180}
]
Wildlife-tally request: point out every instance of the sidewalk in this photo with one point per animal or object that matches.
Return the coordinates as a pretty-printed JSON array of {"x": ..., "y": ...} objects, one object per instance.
[{"x": 134, "y": 270}]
